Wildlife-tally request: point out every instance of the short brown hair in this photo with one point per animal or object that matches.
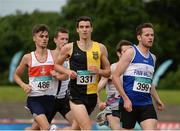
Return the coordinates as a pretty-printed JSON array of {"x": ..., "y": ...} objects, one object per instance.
[
  {"x": 39, "y": 28},
  {"x": 141, "y": 26},
  {"x": 83, "y": 18},
  {"x": 122, "y": 43},
  {"x": 62, "y": 30}
]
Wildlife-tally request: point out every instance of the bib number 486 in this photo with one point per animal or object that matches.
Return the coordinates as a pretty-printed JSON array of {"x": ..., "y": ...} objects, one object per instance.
[{"x": 44, "y": 85}]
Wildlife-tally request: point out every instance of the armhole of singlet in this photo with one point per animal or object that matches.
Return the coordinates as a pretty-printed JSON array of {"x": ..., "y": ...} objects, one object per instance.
[
  {"x": 31, "y": 57},
  {"x": 71, "y": 51},
  {"x": 134, "y": 48},
  {"x": 153, "y": 57}
]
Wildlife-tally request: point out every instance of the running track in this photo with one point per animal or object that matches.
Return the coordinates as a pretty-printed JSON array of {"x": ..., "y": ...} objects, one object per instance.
[{"x": 166, "y": 125}]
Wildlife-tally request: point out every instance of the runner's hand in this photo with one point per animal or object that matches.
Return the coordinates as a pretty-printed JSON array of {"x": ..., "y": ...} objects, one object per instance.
[
  {"x": 72, "y": 74},
  {"x": 93, "y": 69},
  {"x": 53, "y": 73},
  {"x": 102, "y": 105},
  {"x": 128, "y": 105},
  {"x": 160, "y": 105},
  {"x": 27, "y": 88}
]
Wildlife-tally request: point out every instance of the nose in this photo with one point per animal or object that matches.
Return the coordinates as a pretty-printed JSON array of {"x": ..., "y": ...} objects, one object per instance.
[
  {"x": 151, "y": 37},
  {"x": 45, "y": 38},
  {"x": 65, "y": 41},
  {"x": 84, "y": 28}
]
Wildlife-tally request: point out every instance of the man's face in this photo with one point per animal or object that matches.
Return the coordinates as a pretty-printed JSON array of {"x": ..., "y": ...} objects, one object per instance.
[
  {"x": 147, "y": 37},
  {"x": 124, "y": 48},
  {"x": 41, "y": 39},
  {"x": 84, "y": 29},
  {"x": 61, "y": 39}
]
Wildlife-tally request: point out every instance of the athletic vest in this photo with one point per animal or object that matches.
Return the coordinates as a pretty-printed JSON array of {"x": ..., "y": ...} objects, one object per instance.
[
  {"x": 63, "y": 85},
  {"x": 111, "y": 91},
  {"x": 137, "y": 79},
  {"x": 39, "y": 76},
  {"x": 86, "y": 82},
  {"x": 110, "y": 88}
]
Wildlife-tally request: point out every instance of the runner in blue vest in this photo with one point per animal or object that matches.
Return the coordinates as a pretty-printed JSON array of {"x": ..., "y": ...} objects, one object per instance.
[{"x": 137, "y": 67}]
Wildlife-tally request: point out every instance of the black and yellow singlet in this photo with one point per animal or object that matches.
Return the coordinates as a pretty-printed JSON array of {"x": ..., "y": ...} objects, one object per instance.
[{"x": 86, "y": 82}]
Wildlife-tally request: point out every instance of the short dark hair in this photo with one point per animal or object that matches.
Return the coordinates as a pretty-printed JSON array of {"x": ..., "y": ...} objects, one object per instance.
[
  {"x": 62, "y": 30},
  {"x": 141, "y": 26},
  {"x": 39, "y": 28},
  {"x": 83, "y": 18},
  {"x": 122, "y": 43}
]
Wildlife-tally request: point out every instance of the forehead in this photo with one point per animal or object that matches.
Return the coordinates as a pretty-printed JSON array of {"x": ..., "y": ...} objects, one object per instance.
[
  {"x": 40, "y": 33},
  {"x": 60, "y": 34},
  {"x": 124, "y": 47},
  {"x": 84, "y": 23},
  {"x": 147, "y": 31}
]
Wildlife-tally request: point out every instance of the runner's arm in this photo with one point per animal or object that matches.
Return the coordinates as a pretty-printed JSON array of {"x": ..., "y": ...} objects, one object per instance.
[
  {"x": 19, "y": 71},
  {"x": 64, "y": 54},
  {"x": 122, "y": 65},
  {"x": 160, "y": 105},
  {"x": 105, "y": 71},
  {"x": 102, "y": 83}
]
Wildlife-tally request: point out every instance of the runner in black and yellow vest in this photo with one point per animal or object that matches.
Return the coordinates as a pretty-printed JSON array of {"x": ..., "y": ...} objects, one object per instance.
[
  {"x": 88, "y": 61},
  {"x": 80, "y": 61}
]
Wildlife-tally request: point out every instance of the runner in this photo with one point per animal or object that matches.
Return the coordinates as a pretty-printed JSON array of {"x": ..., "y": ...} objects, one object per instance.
[
  {"x": 88, "y": 60},
  {"x": 40, "y": 88},
  {"x": 62, "y": 101},
  {"x": 137, "y": 67},
  {"x": 111, "y": 112}
]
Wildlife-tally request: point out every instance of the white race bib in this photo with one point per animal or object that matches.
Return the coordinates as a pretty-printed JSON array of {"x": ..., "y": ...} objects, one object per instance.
[
  {"x": 85, "y": 77},
  {"x": 142, "y": 85},
  {"x": 42, "y": 83}
]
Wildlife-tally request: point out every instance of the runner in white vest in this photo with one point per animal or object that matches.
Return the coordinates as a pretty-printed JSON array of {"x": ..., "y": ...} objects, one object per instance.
[
  {"x": 40, "y": 89},
  {"x": 111, "y": 112}
]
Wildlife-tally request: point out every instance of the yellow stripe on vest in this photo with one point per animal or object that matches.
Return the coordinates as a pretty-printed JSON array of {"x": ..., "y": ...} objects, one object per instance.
[{"x": 93, "y": 59}]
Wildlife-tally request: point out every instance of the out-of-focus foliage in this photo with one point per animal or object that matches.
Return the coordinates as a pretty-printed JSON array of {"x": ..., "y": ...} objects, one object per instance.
[
  {"x": 165, "y": 15},
  {"x": 113, "y": 20},
  {"x": 171, "y": 81}
]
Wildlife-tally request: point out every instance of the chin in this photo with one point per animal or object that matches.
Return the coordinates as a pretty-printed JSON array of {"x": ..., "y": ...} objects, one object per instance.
[
  {"x": 44, "y": 47},
  {"x": 149, "y": 45}
]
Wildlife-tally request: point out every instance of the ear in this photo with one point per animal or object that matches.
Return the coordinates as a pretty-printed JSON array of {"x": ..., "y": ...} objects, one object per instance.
[
  {"x": 33, "y": 38},
  {"x": 54, "y": 40},
  {"x": 77, "y": 30},
  {"x": 138, "y": 37},
  {"x": 92, "y": 29},
  {"x": 118, "y": 54}
]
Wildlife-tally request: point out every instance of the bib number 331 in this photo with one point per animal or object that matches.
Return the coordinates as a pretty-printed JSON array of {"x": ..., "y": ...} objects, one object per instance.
[{"x": 85, "y": 77}]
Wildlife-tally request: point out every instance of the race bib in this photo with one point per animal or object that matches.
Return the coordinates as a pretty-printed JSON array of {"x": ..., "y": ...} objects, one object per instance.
[
  {"x": 42, "y": 83},
  {"x": 85, "y": 77},
  {"x": 142, "y": 85}
]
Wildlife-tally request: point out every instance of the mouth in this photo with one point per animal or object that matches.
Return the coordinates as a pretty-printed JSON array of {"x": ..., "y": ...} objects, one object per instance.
[
  {"x": 84, "y": 33},
  {"x": 45, "y": 42}
]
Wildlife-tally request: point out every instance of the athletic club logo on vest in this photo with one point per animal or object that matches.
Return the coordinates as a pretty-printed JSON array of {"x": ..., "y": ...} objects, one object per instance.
[
  {"x": 95, "y": 55},
  {"x": 43, "y": 71}
]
